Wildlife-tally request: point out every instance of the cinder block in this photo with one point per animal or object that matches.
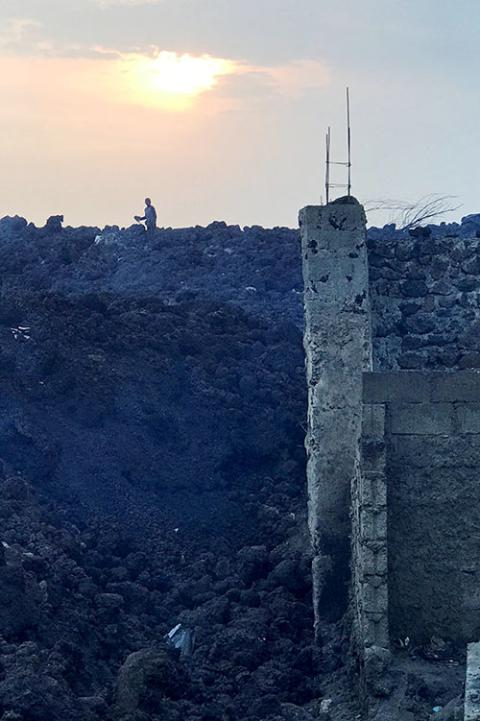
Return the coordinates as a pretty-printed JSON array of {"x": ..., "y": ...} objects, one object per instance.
[
  {"x": 373, "y": 490},
  {"x": 468, "y": 416},
  {"x": 373, "y": 456},
  {"x": 373, "y": 420},
  {"x": 399, "y": 386},
  {"x": 470, "y": 603},
  {"x": 373, "y": 524},
  {"x": 374, "y": 563},
  {"x": 456, "y": 386},
  {"x": 373, "y": 580},
  {"x": 374, "y": 616},
  {"x": 374, "y": 599},
  {"x": 376, "y": 545},
  {"x": 442, "y": 451},
  {"x": 376, "y": 630},
  {"x": 421, "y": 418}
]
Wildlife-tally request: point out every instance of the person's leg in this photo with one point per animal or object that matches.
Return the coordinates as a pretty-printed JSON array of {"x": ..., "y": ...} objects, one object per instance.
[{"x": 150, "y": 232}]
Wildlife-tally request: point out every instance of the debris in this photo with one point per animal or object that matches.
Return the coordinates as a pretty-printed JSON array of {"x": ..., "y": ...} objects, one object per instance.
[
  {"x": 325, "y": 705},
  {"x": 181, "y": 638},
  {"x": 107, "y": 239},
  {"x": 437, "y": 649},
  {"x": 21, "y": 332}
]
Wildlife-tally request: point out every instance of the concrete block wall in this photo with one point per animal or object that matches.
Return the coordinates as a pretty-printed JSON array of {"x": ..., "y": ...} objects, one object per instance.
[
  {"x": 370, "y": 531},
  {"x": 393, "y": 455},
  {"x": 405, "y": 483},
  {"x": 432, "y": 470},
  {"x": 369, "y": 547}
]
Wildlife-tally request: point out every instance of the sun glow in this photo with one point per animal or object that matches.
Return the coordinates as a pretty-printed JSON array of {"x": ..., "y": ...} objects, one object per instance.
[{"x": 171, "y": 80}]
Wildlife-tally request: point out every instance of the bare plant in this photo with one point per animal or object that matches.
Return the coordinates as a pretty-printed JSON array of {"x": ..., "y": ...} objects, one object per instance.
[{"x": 410, "y": 215}]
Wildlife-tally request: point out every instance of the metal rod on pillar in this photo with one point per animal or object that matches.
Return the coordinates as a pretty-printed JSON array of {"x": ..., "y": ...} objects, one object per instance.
[
  {"x": 347, "y": 164},
  {"x": 327, "y": 168},
  {"x": 349, "y": 144}
]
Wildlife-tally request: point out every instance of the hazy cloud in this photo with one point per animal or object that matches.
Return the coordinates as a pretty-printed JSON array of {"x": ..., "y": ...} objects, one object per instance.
[
  {"x": 256, "y": 83},
  {"x": 29, "y": 37},
  {"x": 18, "y": 34},
  {"x": 125, "y": 3}
]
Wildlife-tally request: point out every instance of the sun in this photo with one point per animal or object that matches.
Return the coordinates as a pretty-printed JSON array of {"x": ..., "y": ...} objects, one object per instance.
[
  {"x": 184, "y": 74},
  {"x": 172, "y": 80}
]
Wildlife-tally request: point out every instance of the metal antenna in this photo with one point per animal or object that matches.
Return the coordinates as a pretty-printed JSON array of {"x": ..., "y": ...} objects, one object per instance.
[
  {"x": 327, "y": 167},
  {"x": 349, "y": 145},
  {"x": 348, "y": 164}
]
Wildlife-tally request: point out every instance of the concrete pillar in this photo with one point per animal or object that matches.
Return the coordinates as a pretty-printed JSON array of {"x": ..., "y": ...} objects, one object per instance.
[
  {"x": 338, "y": 348},
  {"x": 472, "y": 683}
]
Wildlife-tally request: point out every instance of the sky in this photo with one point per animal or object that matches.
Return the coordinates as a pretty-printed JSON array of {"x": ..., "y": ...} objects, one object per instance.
[{"x": 217, "y": 109}]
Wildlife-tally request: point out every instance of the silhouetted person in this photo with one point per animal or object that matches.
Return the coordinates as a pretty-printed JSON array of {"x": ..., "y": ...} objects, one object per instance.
[{"x": 149, "y": 216}]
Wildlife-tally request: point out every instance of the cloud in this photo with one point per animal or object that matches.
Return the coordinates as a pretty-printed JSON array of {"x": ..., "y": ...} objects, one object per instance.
[
  {"x": 298, "y": 76},
  {"x": 259, "y": 83},
  {"x": 125, "y": 3},
  {"x": 28, "y": 37},
  {"x": 18, "y": 34},
  {"x": 153, "y": 76}
]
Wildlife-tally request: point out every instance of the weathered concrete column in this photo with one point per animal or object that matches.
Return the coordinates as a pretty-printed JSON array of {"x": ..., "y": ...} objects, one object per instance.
[
  {"x": 472, "y": 683},
  {"x": 338, "y": 349}
]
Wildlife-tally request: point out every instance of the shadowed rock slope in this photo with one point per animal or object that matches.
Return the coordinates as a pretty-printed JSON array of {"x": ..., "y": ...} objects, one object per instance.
[
  {"x": 151, "y": 444},
  {"x": 152, "y": 472}
]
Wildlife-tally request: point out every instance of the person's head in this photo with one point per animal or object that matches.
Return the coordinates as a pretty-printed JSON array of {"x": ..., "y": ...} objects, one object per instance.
[{"x": 148, "y": 202}]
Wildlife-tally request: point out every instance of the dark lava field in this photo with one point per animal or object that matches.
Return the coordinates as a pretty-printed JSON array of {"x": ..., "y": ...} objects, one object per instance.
[
  {"x": 152, "y": 474},
  {"x": 152, "y": 478}
]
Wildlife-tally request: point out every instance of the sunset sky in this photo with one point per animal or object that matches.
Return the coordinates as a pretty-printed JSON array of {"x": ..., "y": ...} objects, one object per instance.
[{"x": 217, "y": 109}]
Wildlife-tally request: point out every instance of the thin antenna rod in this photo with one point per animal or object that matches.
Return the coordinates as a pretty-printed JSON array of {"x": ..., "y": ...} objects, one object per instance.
[
  {"x": 349, "y": 145},
  {"x": 347, "y": 164},
  {"x": 327, "y": 167}
]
